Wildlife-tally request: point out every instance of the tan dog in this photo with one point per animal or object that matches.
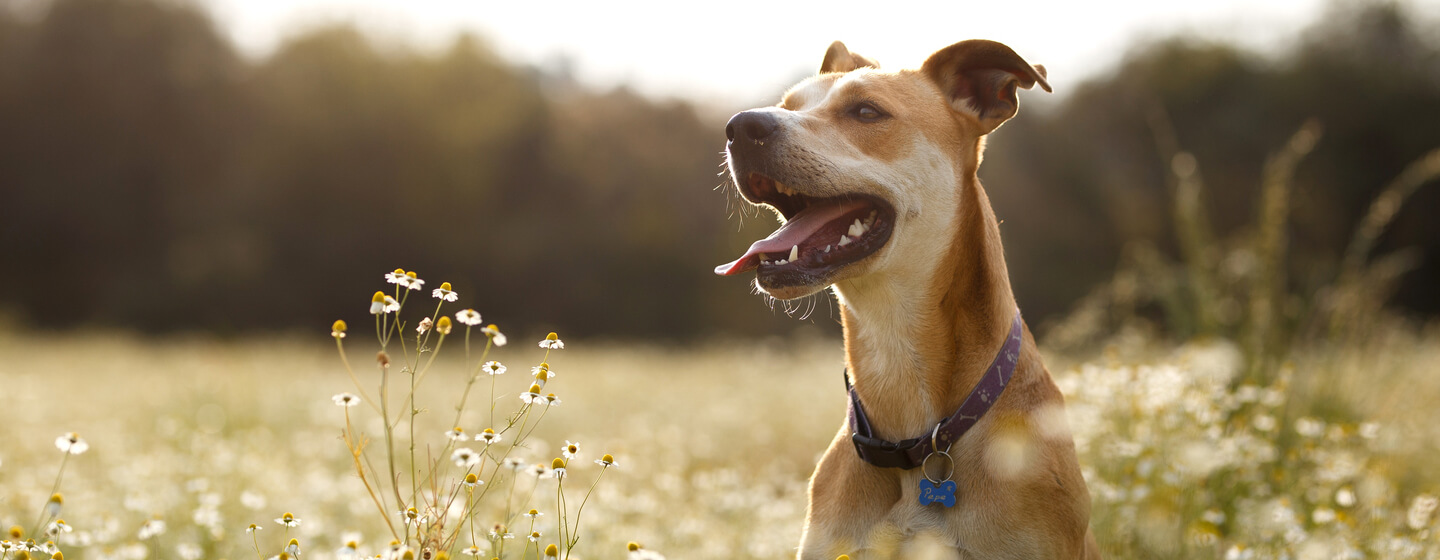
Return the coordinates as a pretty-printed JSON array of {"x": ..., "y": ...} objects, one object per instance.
[{"x": 874, "y": 175}]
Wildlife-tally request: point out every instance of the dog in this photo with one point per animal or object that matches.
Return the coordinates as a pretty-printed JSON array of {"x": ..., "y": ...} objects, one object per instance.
[{"x": 956, "y": 444}]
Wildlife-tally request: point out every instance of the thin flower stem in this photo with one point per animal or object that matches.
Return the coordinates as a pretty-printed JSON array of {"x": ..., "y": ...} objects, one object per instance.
[
  {"x": 563, "y": 507},
  {"x": 63, "y": 461},
  {"x": 340, "y": 346},
  {"x": 475, "y": 374},
  {"x": 525, "y": 434},
  {"x": 44, "y": 511},
  {"x": 414, "y": 482},
  {"x": 574, "y": 536},
  {"x": 255, "y": 541},
  {"x": 357, "y": 450},
  {"x": 436, "y": 352},
  {"x": 435, "y": 317},
  {"x": 390, "y": 441}
]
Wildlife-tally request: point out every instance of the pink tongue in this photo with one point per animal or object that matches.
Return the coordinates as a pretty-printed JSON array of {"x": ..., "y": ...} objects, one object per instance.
[{"x": 794, "y": 232}]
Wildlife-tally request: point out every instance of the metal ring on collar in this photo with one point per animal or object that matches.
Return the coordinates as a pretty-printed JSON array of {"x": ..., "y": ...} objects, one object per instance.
[
  {"x": 925, "y": 471},
  {"x": 936, "y": 447}
]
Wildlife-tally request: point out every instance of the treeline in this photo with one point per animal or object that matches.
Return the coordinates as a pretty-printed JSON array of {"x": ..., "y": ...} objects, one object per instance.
[
  {"x": 150, "y": 177},
  {"x": 1082, "y": 185},
  {"x": 154, "y": 179}
]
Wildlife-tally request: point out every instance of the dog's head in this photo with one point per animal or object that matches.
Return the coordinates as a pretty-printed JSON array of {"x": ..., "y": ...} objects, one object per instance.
[{"x": 863, "y": 166}]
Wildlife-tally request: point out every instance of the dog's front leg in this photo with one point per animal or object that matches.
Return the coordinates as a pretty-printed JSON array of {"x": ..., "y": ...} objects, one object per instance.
[{"x": 849, "y": 503}]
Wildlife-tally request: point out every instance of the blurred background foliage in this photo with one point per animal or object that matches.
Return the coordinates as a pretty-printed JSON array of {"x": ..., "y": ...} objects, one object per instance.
[{"x": 153, "y": 178}]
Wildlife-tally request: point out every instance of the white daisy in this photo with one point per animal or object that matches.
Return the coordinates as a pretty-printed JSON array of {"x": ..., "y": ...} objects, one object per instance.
[
  {"x": 381, "y": 304},
  {"x": 468, "y": 317},
  {"x": 288, "y": 520},
  {"x": 493, "y": 367},
  {"x": 397, "y": 277},
  {"x": 424, "y": 326},
  {"x": 71, "y": 443},
  {"x": 488, "y": 436},
  {"x": 571, "y": 449},
  {"x": 494, "y": 333},
  {"x": 151, "y": 528},
  {"x": 532, "y": 395},
  {"x": 457, "y": 434},
  {"x": 444, "y": 292},
  {"x": 606, "y": 461},
  {"x": 552, "y": 342},
  {"x": 346, "y": 399},
  {"x": 465, "y": 457}
]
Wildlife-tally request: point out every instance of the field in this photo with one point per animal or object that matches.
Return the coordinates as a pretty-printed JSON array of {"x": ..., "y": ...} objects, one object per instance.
[{"x": 1333, "y": 459}]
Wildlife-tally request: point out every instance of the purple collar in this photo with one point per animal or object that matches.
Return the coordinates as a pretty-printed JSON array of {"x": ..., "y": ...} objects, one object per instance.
[{"x": 911, "y": 453}]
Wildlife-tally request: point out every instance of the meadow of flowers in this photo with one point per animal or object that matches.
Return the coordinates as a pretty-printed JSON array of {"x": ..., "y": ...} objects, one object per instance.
[{"x": 188, "y": 448}]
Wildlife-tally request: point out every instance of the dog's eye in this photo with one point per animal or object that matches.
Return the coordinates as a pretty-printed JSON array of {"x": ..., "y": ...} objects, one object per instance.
[{"x": 866, "y": 112}]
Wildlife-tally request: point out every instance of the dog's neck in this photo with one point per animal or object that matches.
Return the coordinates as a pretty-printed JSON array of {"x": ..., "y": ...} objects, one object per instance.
[{"x": 918, "y": 339}]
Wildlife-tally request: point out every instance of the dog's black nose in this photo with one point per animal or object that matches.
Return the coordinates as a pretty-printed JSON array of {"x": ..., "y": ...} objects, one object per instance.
[{"x": 751, "y": 125}]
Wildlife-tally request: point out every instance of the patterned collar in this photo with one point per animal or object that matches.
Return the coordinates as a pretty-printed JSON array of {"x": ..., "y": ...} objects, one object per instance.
[{"x": 911, "y": 453}]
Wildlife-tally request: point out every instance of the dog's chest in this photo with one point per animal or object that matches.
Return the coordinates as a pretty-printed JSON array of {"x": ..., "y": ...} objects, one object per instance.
[{"x": 969, "y": 530}]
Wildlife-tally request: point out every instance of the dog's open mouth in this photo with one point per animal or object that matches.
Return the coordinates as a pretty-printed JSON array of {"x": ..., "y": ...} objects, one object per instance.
[{"x": 820, "y": 235}]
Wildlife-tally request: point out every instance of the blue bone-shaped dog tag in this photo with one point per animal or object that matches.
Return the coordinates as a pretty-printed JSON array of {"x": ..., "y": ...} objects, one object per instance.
[{"x": 944, "y": 493}]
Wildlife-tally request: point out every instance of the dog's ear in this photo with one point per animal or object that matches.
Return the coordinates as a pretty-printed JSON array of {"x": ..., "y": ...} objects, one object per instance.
[
  {"x": 840, "y": 59},
  {"x": 979, "y": 78}
]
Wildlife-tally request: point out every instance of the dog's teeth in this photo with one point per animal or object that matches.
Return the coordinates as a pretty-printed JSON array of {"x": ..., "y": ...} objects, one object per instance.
[
  {"x": 794, "y": 253},
  {"x": 844, "y": 241},
  {"x": 781, "y": 261},
  {"x": 827, "y": 248},
  {"x": 855, "y": 230}
]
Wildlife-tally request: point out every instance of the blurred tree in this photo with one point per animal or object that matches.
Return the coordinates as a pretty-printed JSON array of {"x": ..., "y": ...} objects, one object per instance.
[
  {"x": 120, "y": 121},
  {"x": 150, "y": 178},
  {"x": 1077, "y": 182}
]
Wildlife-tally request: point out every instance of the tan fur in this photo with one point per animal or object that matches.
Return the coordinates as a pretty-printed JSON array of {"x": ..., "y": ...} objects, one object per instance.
[{"x": 923, "y": 318}]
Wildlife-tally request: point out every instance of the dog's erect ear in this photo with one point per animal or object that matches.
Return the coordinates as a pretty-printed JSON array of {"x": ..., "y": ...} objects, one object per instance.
[
  {"x": 979, "y": 79},
  {"x": 840, "y": 59}
]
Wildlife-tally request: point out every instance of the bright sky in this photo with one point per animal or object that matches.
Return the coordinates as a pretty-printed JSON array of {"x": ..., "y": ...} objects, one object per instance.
[{"x": 740, "y": 51}]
